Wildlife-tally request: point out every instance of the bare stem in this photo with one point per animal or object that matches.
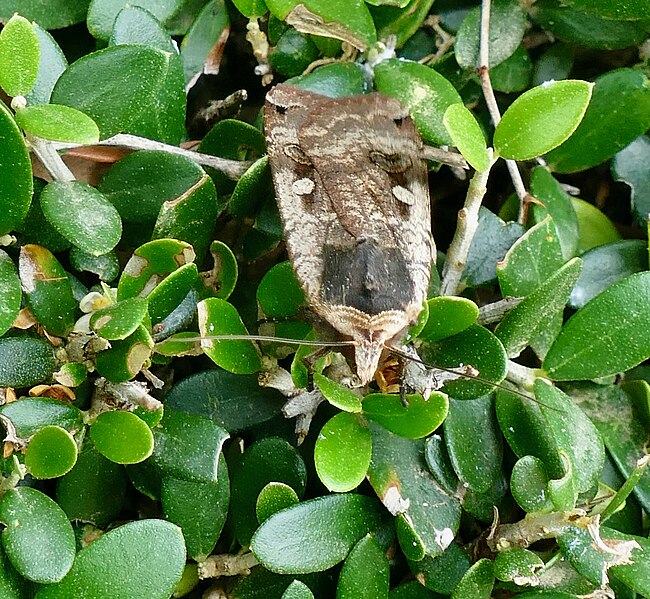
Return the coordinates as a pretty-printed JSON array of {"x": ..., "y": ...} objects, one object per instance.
[
  {"x": 493, "y": 107},
  {"x": 53, "y": 163},
  {"x": 227, "y": 564},
  {"x": 231, "y": 168},
  {"x": 465, "y": 230}
]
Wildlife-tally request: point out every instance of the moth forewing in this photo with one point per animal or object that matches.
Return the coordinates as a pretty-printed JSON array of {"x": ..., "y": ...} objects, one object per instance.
[{"x": 351, "y": 187}]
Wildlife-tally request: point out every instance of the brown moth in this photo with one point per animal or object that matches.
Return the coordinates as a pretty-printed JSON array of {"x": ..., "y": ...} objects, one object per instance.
[{"x": 351, "y": 187}]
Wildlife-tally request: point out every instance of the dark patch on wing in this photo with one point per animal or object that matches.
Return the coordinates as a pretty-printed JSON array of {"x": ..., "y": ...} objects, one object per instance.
[{"x": 367, "y": 277}]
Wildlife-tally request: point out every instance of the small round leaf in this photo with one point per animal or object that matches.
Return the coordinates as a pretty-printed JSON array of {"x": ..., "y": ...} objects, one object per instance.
[
  {"x": 58, "y": 123},
  {"x": 122, "y": 437},
  {"x": 52, "y": 452},
  {"x": 273, "y": 498},
  {"x": 19, "y": 56},
  {"x": 338, "y": 395}
]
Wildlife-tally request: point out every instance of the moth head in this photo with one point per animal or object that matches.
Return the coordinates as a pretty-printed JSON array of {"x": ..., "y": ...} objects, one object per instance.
[{"x": 366, "y": 355}]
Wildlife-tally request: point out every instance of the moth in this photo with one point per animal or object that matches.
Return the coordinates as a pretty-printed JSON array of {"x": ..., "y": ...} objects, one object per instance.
[{"x": 351, "y": 188}]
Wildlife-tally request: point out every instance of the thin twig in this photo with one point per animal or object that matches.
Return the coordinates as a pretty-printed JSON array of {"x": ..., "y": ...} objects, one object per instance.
[
  {"x": 51, "y": 161},
  {"x": 231, "y": 168},
  {"x": 444, "y": 156},
  {"x": 465, "y": 230},
  {"x": 493, "y": 108}
]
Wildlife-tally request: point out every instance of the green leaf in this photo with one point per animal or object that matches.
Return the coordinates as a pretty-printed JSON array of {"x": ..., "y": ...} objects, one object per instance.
[
  {"x": 30, "y": 414},
  {"x": 188, "y": 446},
  {"x": 467, "y": 136},
  {"x": 150, "y": 264},
  {"x": 19, "y": 56},
  {"x": 113, "y": 86},
  {"x": 94, "y": 490},
  {"x": 517, "y": 564},
  {"x": 106, "y": 266},
  {"x": 595, "y": 228},
  {"x": 53, "y": 14},
  {"x": 342, "y": 452},
  {"x": 82, "y": 215},
  {"x": 25, "y": 362},
  {"x": 475, "y": 346},
  {"x": 614, "y": 9},
  {"x": 338, "y": 395},
  {"x": 541, "y": 119},
  {"x": 477, "y": 583},
  {"x": 554, "y": 64},
  {"x": 102, "y": 13},
  {"x": 529, "y": 484},
  {"x": 122, "y": 437},
  {"x": 514, "y": 73},
  {"x": 399, "y": 18},
  {"x": 345, "y": 20},
  {"x": 202, "y": 38},
  {"x": 558, "y": 204},
  {"x": 52, "y": 63},
  {"x": 58, "y": 123},
  {"x": 628, "y": 166},
  {"x": 609, "y": 335},
  {"x": 268, "y": 460},
  {"x": 365, "y": 572},
  {"x": 10, "y": 292},
  {"x": 126, "y": 357},
  {"x": 33, "y": 521},
  {"x": 336, "y": 80},
  {"x": 607, "y": 264},
  {"x": 524, "y": 322},
  {"x": 426, "y": 94},
  {"x": 251, "y": 8},
  {"x": 199, "y": 508},
  {"x": 297, "y": 590},
  {"x": 135, "y": 548},
  {"x": 442, "y": 573},
  {"x": 16, "y": 184},
  {"x": 419, "y": 418},
  {"x": 531, "y": 260},
  {"x": 234, "y": 401},
  {"x": 51, "y": 452},
  {"x": 279, "y": 293},
  {"x": 180, "y": 286},
  {"x": 474, "y": 442},
  {"x": 399, "y": 476},
  {"x": 315, "y": 535},
  {"x": 293, "y": 53},
  {"x": 47, "y": 289},
  {"x": 507, "y": 27},
  {"x": 621, "y": 103},
  {"x": 218, "y": 317},
  {"x": 273, "y": 498}
]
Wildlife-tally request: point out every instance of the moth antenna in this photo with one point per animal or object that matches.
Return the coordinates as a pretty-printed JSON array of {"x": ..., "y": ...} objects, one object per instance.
[
  {"x": 265, "y": 338},
  {"x": 402, "y": 354}
]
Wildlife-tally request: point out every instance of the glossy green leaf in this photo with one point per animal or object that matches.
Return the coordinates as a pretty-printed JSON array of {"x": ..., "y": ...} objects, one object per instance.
[
  {"x": 621, "y": 103},
  {"x": 19, "y": 56},
  {"x": 636, "y": 575},
  {"x": 399, "y": 476},
  {"x": 607, "y": 264},
  {"x": 16, "y": 182},
  {"x": 439, "y": 463},
  {"x": 475, "y": 346},
  {"x": 467, "y": 136},
  {"x": 125, "y": 358},
  {"x": 82, "y": 215},
  {"x": 188, "y": 446},
  {"x": 334, "y": 80},
  {"x": 425, "y": 93},
  {"x": 30, "y": 414},
  {"x": 12, "y": 584},
  {"x": 628, "y": 166},
  {"x": 337, "y": 394},
  {"x": 293, "y": 53},
  {"x": 235, "y": 402},
  {"x": 135, "y": 548},
  {"x": 94, "y": 490},
  {"x": 609, "y": 335},
  {"x": 317, "y": 534},
  {"x": 614, "y": 9},
  {"x": 113, "y": 86},
  {"x": 252, "y": 189},
  {"x": 274, "y": 497},
  {"x": 562, "y": 491},
  {"x": 507, "y": 27},
  {"x": 419, "y": 418},
  {"x": 518, "y": 565},
  {"x": 33, "y": 521},
  {"x": 340, "y": 19},
  {"x": 218, "y": 317},
  {"x": 477, "y": 583},
  {"x": 541, "y": 119},
  {"x": 181, "y": 285},
  {"x": 199, "y": 508},
  {"x": 297, "y": 590},
  {"x": 557, "y": 203},
  {"x": 106, "y": 266},
  {"x": 448, "y": 316},
  {"x": 122, "y": 437},
  {"x": 524, "y": 322},
  {"x": 474, "y": 442},
  {"x": 25, "y": 362},
  {"x": 51, "y": 15},
  {"x": 399, "y": 18},
  {"x": 251, "y": 8},
  {"x": 514, "y": 73},
  {"x": 531, "y": 260},
  {"x": 342, "y": 452},
  {"x": 279, "y": 293},
  {"x": 411, "y": 590},
  {"x": 10, "y": 292},
  {"x": 365, "y": 572},
  {"x": 51, "y": 64},
  {"x": 268, "y": 460},
  {"x": 221, "y": 280},
  {"x": 119, "y": 320},
  {"x": 58, "y": 123},
  {"x": 150, "y": 264},
  {"x": 102, "y": 13},
  {"x": 51, "y": 452},
  {"x": 529, "y": 484},
  {"x": 595, "y": 228},
  {"x": 443, "y": 572}
]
